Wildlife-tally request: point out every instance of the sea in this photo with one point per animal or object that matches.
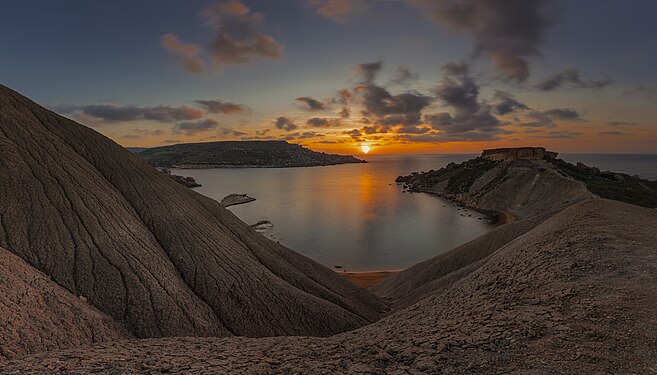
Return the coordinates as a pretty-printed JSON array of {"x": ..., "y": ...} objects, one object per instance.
[{"x": 354, "y": 217}]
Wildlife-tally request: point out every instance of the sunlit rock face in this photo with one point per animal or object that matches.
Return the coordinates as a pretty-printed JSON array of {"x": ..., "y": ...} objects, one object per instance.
[{"x": 520, "y": 153}]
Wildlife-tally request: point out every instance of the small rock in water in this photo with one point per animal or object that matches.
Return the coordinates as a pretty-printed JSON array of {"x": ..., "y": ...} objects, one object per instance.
[{"x": 262, "y": 226}]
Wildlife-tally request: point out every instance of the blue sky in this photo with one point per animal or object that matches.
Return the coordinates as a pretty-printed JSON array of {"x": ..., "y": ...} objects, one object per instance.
[{"x": 81, "y": 53}]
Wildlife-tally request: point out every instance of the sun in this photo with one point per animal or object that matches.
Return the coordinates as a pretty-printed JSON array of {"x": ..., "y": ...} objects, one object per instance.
[{"x": 365, "y": 148}]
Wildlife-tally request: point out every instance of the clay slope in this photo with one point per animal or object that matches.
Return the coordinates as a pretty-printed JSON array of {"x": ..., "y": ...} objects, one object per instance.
[
  {"x": 522, "y": 188},
  {"x": 525, "y": 188},
  {"x": 574, "y": 295},
  {"x": 413, "y": 283},
  {"x": 154, "y": 255},
  {"x": 39, "y": 315}
]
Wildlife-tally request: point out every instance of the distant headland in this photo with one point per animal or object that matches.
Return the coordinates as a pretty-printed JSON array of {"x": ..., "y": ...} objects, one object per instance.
[{"x": 240, "y": 154}]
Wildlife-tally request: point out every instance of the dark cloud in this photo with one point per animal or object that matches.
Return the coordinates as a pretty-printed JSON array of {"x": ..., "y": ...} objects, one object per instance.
[
  {"x": 338, "y": 10},
  {"x": 383, "y": 107},
  {"x": 403, "y": 76},
  {"x": 558, "y": 114},
  {"x": 412, "y": 129},
  {"x": 571, "y": 78},
  {"x": 548, "y": 119},
  {"x": 561, "y": 134},
  {"x": 311, "y": 104},
  {"x": 459, "y": 91},
  {"x": 285, "y": 123},
  {"x": 369, "y": 71},
  {"x": 263, "y": 132},
  {"x": 239, "y": 38},
  {"x": 117, "y": 113},
  {"x": 219, "y": 106},
  {"x": 323, "y": 122},
  {"x": 304, "y": 135},
  {"x": 233, "y": 132},
  {"x": 621, "y": 123},
  {"x": 505, "y": 103},
  {"x": 355, "y": 134},
  {"x": 192, "y": 128},
  {"x": 508, "y": 31},
  {"x": 610, "y": 133},
  {"x": 189, "y": 54},
  {"x": 141, "y": 133},
  {"x": 345, "y": 113}
]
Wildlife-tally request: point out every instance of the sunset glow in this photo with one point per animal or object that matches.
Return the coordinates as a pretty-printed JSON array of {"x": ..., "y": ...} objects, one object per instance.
[
  {"x": 433, "y": 83},
  {"x": 365, "y": 149}
]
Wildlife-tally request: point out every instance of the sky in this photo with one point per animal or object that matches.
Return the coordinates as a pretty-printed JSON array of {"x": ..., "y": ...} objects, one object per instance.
[{"x": 398, "y": 76}]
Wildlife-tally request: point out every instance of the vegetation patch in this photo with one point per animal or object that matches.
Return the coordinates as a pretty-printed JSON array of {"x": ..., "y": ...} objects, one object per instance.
[{"x": 611, "y": 185}]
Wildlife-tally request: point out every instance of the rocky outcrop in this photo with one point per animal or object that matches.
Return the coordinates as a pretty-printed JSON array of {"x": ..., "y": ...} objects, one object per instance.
[
  {"x": 519, "y": 153},
  {"x": 189, "y": 182},
  {"x": 520, "y": 189},
  {"x": 38, "y": 315},
  {"x": 157, "y": 257},
  {"x": 235, "y": 199},
  {"x": 574, "y": 295}
]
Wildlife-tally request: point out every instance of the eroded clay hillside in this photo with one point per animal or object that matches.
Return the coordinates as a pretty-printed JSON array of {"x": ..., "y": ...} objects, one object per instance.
[
  {"x": 574, "y": 295},
  {"x": 158, "y": 258}
]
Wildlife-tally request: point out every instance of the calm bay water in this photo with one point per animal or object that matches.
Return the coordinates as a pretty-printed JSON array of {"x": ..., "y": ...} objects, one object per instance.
[
  {"x": 351, "y": 215},
  {"x": 356, "y": 217}
]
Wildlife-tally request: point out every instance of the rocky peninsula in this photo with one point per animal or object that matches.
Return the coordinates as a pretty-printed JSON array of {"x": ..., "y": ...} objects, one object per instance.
[
  {"x": 108, "y": 266},
  {"x": 240, "y": 154}
]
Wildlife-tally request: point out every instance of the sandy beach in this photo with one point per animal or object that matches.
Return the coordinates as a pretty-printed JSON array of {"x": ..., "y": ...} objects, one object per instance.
[{"x": 367, "y": 279}]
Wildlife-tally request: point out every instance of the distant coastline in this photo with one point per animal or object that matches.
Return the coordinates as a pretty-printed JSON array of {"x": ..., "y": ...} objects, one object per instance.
[{"x": 240, "y": 154}]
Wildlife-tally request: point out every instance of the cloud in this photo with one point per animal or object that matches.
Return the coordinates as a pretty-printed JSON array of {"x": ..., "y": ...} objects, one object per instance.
[
  {"x": 304, "y": 135},
  {"x": 508, "y": 32},
  {"x": 610, "y": 133},
  {"x": 338, "y": 10},
  {"x": 621, "y": 123},
  {"x": 383, "y": 107},
  {"x": 561, "y": 134},
  {"x": 345, "y": 113},
  {"x": 141, "y": 133},
  {"x": 192, "y": 128},
  {"x": 239, "y": 39},
  {"x": 505, "y": 103},
  {"x": 116, "y": 113},
  {"x": 311, "y": 104},
  {"x": 219, "y": 106},
  {"x": 548, "y": 119},
  {"x": 459, "y": 91},
  {"x": 188, "y": 53},
  {"x": 571, "y": 78},
  {"x": 369, "y": 71},
  {"x": 233, "y": 132},
  {"x": 323, "y": 122},
  {"x": 285, "y": 123},
  {"x": 403, "y": 76}
]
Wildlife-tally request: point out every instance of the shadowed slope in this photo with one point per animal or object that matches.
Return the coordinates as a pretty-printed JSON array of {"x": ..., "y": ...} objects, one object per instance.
[
  {"x": 574, "y": 295},
  {"x": 411, "y": 284},
  {"x": 154, "y": 255},
  {"x": 40, "y": 315}
]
